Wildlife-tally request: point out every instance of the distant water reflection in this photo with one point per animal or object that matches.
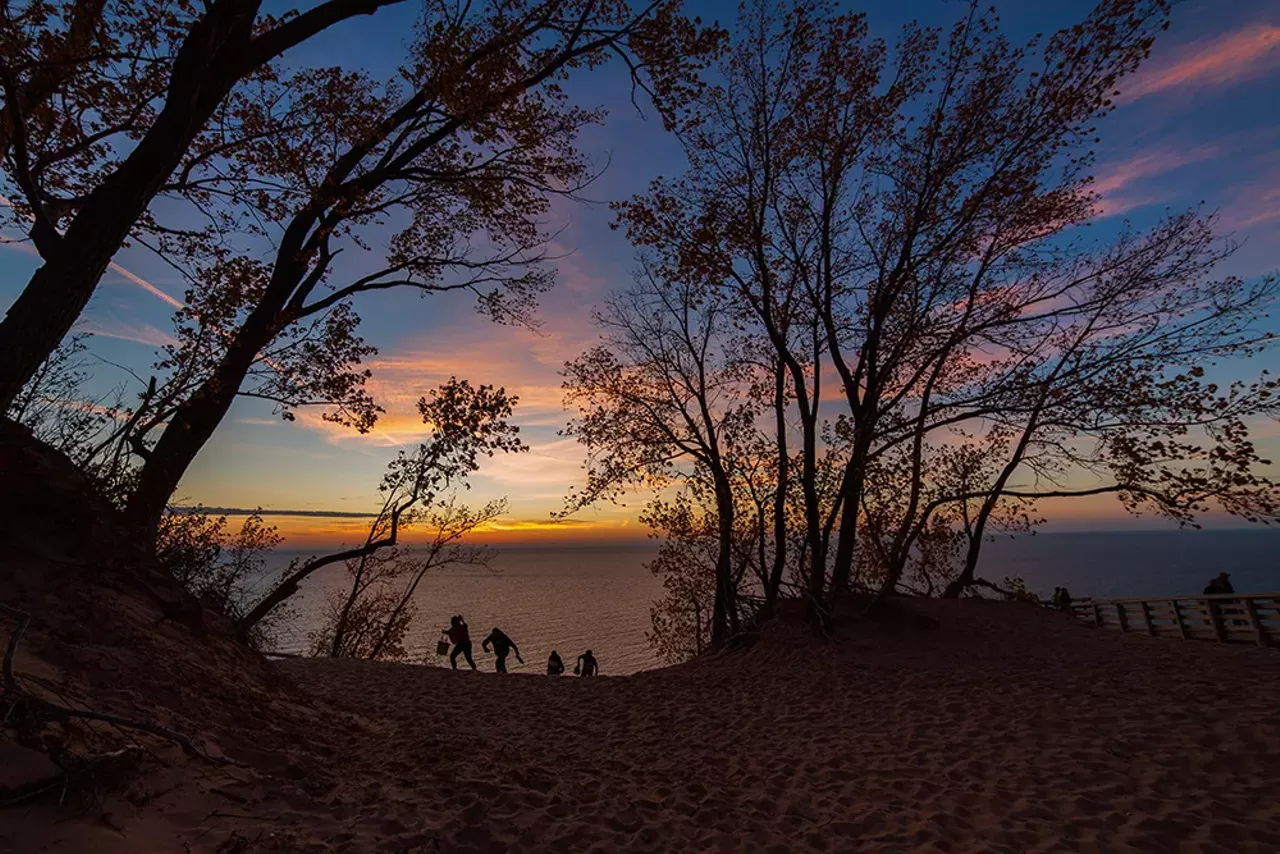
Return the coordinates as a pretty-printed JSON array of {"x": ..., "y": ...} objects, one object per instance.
[
  {"x": 570, "y": 599},
  {"x": 567, "y": 599}
]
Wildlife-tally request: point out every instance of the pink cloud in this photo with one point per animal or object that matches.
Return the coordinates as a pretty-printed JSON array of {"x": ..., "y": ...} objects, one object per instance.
[
  {"x": 1115, "y": 182},
  {"x": 141, "y": 333},
  {"x": 1238, "y": 55},
  {"x": 1256, "y": 205},
  {"x": 525, "y": 363}
]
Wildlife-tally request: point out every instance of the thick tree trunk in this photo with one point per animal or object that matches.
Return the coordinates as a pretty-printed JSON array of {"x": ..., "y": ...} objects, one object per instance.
[
  {"x": 203, "y": 72},
  {"x": 852, "y": 485},
  {"x": 842, "y": 565},
  {"x": 813, "y": 524},
  {"x": 190, "y": 428}
]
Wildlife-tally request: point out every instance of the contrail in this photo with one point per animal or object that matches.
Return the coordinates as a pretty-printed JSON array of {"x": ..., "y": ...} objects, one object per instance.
[{"x": 136, "y": 279}]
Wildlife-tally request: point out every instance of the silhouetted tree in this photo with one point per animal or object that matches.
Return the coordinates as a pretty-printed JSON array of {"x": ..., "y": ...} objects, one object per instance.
[
  {"x": 466, "y": 423},
  {"x": 371, "y": 619},
  {"x": 55, "y": 404},
  {"x": 913, "y": 227},
  {"x": 467, "y": 148},
  {"x": 667, "y": 389},
  {"x": 102, "y": 102},
  {"x": 220, "y": 568}
]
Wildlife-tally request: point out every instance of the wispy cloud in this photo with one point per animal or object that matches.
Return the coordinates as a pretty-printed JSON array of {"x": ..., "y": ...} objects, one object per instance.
[
  {"x": 524, "y": 362},
  {"x": 1123, "y": 185},
  {"x": 1230, "y": 57},
  {"x": 24, "y": 246},
  {"x": 1256, "y": 203},
  {"x": 111, "y": 327}
]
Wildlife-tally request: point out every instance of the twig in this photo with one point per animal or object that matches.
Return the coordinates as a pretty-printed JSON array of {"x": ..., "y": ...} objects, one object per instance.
[
  {"x": 11, "y": 686},
  {"x": 34, "y": 793}
]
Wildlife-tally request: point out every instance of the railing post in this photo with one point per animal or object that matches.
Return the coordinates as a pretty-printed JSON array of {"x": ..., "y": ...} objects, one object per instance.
[
  {"x": 1146, "y": 618},
  {"x": 1120, "y": 615},
  {"x": 1211, "y": 606},
  {"x": 1254, "y": 621},
  {"x": 1177, "y": 617}
]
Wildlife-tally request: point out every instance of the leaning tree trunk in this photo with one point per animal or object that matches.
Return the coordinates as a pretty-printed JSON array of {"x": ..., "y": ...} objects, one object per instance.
[
  {"x": 191, "y": 427},
  {"x": 964, "y": 580},
  {"x": 203, "y": 72}
]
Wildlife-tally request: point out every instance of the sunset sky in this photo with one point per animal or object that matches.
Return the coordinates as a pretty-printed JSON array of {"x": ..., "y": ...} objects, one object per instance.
[{"x": 1198, "y": 124}]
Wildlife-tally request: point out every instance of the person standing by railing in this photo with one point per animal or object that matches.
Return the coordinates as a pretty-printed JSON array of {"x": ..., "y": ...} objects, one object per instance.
[{"x": 1220, "y": 585}]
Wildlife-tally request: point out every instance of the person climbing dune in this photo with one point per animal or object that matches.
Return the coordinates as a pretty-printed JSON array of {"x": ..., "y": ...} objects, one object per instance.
[
  {"x": 502, "y": 647},
  {"x": 460, "y": 637}
]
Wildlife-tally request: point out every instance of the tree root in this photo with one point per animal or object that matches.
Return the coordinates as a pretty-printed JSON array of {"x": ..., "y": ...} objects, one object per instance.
[{"x": 12, "y": 688}]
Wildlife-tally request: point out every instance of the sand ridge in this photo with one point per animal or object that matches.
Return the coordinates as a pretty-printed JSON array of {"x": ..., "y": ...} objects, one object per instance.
[{"x": 1007, "y": 729}]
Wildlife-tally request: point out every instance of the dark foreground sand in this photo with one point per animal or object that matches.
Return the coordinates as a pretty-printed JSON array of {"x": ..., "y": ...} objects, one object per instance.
[{"x": 1005, "y": 728}]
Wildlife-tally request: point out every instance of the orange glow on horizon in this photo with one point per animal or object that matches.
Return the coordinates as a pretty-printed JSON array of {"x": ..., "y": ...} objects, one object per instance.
[{"x": 303, "y": 532}]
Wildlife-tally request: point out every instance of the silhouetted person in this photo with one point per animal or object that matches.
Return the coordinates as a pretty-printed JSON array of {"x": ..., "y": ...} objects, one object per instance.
[
  {"x": 587, "y": 664},
  {"x": 1221, "y": 584},
  {"x": 1214, "y": 587},
  {"x": 1064, "y": 600},
  {"x": 502, "y": 647},
  {"x": 554, "y": 665},
  {"x": 460, "y": 637}
]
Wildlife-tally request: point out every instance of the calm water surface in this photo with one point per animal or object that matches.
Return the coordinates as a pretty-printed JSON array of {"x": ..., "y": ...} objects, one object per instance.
[
  {"x": 567, "y": 599},
  {"x": 570, "y": 599}
]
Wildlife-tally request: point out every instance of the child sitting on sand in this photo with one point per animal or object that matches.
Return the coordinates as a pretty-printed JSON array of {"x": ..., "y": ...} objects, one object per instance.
[
  {"x": 555, "y": 666},
  {"x": 460, "y": 637}
]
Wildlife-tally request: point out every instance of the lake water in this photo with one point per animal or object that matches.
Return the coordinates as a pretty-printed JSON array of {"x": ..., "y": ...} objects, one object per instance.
[
  {"x": 570, "y": 599},
  {"x": 567, "y": 599}
]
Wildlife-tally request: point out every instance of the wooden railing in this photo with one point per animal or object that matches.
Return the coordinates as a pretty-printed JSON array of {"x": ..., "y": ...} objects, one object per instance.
[{"x": 1226, "y": 618}]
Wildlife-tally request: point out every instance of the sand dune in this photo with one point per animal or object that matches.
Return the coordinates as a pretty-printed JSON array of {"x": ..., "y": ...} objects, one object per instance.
[
  {"x": 1003, "y": 729},
  {"x": 1006, "y": 729}
]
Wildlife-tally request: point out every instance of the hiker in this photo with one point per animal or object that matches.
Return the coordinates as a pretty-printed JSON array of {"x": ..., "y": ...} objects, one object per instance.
[
  {"x": 587, "y": 665},
  {"x": 460, "y": 637},
  {"x": 1064, "y": 600},
  {"x": 554, "y": 665},
  {"x": 502, "y": 647}
]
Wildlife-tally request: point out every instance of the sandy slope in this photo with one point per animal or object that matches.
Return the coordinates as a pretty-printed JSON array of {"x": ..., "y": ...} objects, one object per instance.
[{"x": 1004, "y": 729}]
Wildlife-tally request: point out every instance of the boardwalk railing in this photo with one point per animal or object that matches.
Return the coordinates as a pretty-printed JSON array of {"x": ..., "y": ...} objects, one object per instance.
[{"x": 1226, "y": 618}]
